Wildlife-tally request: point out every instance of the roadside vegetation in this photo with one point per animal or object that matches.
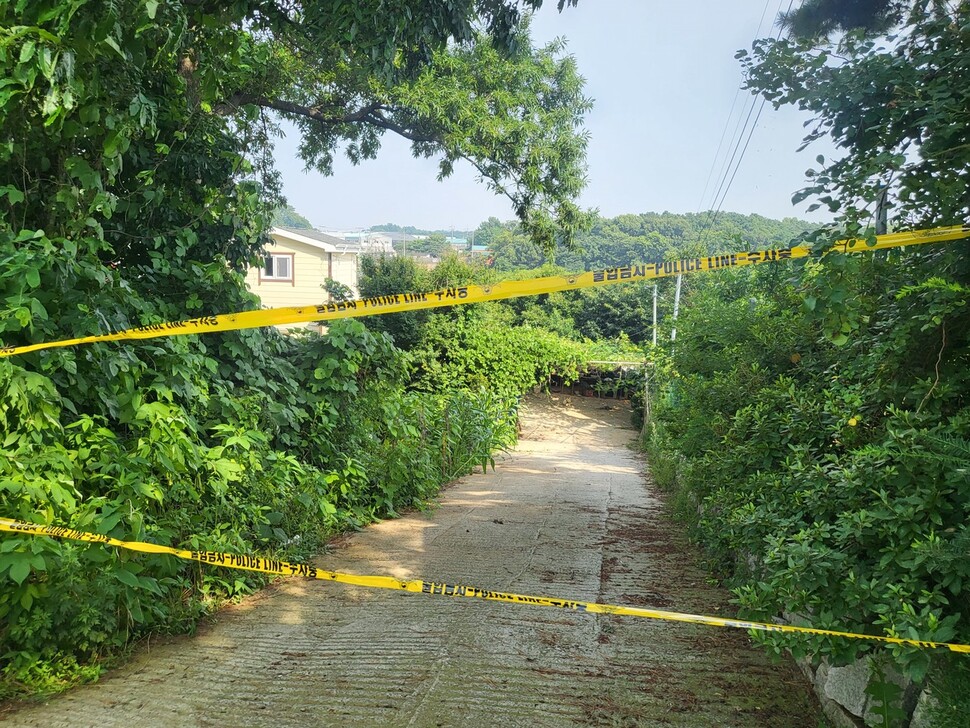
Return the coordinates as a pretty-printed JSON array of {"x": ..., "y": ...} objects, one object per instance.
[
  {"x": 136, "y": 186},
  {"x": 811, "y": 420}
]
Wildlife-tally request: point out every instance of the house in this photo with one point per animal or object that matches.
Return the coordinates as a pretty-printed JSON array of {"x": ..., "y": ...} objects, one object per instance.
[
  {"x": 371, "y": 243},
  {"x": 297, "y": 265},
  {"x": 377, "y": 244}
]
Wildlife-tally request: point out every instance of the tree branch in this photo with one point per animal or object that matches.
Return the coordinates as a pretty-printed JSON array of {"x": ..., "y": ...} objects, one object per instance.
[{"x": 369, "y": 114}]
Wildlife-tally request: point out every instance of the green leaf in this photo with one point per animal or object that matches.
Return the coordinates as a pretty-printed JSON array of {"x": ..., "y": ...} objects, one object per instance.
[
  {"x": 20, "y": 570},
  {"x": 13, "y": 194},
  {"x": 127, "y": 578},
  {"x": 113, "y": 44},
  {"x": 27, "y": 51}
]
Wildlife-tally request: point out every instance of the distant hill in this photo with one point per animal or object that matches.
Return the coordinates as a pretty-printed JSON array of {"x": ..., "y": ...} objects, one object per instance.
[{"x": 648, "y": 236}]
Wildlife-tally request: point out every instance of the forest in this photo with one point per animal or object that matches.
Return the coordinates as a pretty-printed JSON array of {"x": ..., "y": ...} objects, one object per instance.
[{"x": 810, "y": 422}]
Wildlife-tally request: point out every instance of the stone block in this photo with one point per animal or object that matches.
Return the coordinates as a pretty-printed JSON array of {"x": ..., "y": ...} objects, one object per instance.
[
  {"x": 924, "y": 703},
  {"x": 847, "y": 686}
]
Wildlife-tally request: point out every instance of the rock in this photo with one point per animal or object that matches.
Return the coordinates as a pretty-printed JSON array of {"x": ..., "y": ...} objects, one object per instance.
[
  {"x": 847, "y": 686},
  {"x": 924, "y": 704},
  {"x": 835, "y": 714}
]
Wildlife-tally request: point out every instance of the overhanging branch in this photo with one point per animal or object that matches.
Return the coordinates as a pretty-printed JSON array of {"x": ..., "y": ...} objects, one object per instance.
[{"x": 371, "y": 114}]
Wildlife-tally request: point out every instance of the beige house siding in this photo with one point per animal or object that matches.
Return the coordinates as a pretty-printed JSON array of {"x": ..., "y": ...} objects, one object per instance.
[
  {"x": 312, "y": 264},
  {"x": 344, "y": 267}
]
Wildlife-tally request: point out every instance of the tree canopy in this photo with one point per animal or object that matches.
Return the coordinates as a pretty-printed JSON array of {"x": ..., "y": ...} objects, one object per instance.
[
  {"x": 289, "y": 217},
  {"x": 898, "y": 109},
  {"x": 814, "y": 18},
  {"x": 160, "y": 115},
  {"x": 136, "y": 184}
]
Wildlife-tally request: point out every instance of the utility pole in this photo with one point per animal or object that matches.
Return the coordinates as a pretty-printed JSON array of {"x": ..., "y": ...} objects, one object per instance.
[
  {"x": 654, "y": 314},
  {"x": 882, "y": 212},
  {"x": 673, "y": 331}
]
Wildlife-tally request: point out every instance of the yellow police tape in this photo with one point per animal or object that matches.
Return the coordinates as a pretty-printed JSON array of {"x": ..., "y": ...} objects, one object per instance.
[
  {"x": 475, "y": 294},
  {"x": 283, "y": 568}
]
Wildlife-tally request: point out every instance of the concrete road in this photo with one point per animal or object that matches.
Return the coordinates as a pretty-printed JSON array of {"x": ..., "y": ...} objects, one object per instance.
[{"x": 569, "y": 513}]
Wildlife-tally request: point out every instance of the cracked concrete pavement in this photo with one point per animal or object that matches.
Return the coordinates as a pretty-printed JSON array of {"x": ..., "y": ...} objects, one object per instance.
[{"x": 570, "y": 514}]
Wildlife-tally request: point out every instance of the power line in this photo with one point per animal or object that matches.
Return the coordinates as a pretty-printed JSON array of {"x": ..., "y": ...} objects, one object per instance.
[
  {"x": 727, "y": 121},
  {"x": 727, "y": 180},
  {"x": 754, "y": 126},
  {"x": 726, "y": 169}
]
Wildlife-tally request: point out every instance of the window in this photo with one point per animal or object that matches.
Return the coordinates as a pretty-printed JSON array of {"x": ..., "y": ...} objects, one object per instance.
[{"x": 277, "y": 267}]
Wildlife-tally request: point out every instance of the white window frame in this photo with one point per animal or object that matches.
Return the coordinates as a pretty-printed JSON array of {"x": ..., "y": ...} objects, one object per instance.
[{"x": 271, "y": 259}]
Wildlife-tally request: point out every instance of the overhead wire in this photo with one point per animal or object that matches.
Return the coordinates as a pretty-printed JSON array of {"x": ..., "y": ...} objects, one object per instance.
[
  {"x": 740, "y": 145},
  {"x": 727, "y": 122},
  {"x": 757, "y": 118}
]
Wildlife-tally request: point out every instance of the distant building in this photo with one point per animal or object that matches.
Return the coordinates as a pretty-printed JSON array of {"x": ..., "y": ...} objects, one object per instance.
[
  {"x": 298, "y": 263},
  {"x": 376, "y": 244},
  {"x": 379, "y": 242}
]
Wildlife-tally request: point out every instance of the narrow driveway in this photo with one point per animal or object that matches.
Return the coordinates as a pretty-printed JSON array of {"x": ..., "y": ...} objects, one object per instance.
[{"x": 569, "y": 513}]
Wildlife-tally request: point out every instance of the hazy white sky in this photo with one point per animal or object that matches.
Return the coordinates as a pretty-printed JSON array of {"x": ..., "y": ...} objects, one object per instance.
[{"x": 663, "y": 77}]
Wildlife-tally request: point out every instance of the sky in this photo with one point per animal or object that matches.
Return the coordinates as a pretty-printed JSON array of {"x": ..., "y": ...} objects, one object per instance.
[{"x": 664, "y": 81}]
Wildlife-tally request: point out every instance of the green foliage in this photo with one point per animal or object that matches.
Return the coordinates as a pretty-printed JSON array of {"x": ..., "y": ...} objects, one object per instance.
[
  {"x": 535, "y": 157},
  {"x": 286, "y": 216},
  {"x": 640, "y": 238},
  {"x": 887, "y": 697},
  {"x": 512, "y": 111},
  {"x": 815, "y": 428},
  {"x": 338, "y": 291},
  {"x": 474, "y": 349},
  {"x": 627, "y": 310},
  {"x": 138, "y": 184},
  {"x": 895, "y": 108},
  {"x": 334, "y": 441},
  {"x": 950, "y": 692},
  {"x": 829, "y": 482},
  {"x": 385, "y": 275},
  {"x": 436, "y": 245},
  {"x": 814, "y": 18}
]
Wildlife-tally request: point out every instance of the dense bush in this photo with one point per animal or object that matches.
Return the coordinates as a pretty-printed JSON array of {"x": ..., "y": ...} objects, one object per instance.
[
  {"x": 831, "y": 484},
  {"x": 136, "y": 184},
  {"x": 476, "y": 348},
  {"x": 326, "y": 437}
]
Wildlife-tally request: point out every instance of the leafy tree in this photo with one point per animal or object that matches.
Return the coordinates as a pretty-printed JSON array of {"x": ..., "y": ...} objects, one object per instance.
[
  {"x": 486, "y": 232},
  {"x": 436, "y": 244},
  {"x": 384, "y": 275},
  {"x": 813, "y": 18},
  {"x": 896, "y": 110},
  {"x": 338, "y": 291},
  {"x": 831, "y": 482},
  {"x": 286, "y": 216},
  {"x": 137, "y": 184},
  {"x": 439, "y": 99},
  {"x": 515, "y": 251}
]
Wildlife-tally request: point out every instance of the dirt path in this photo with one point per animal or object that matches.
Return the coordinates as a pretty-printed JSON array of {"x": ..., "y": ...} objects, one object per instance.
[{"x": 568, "y": 514}]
